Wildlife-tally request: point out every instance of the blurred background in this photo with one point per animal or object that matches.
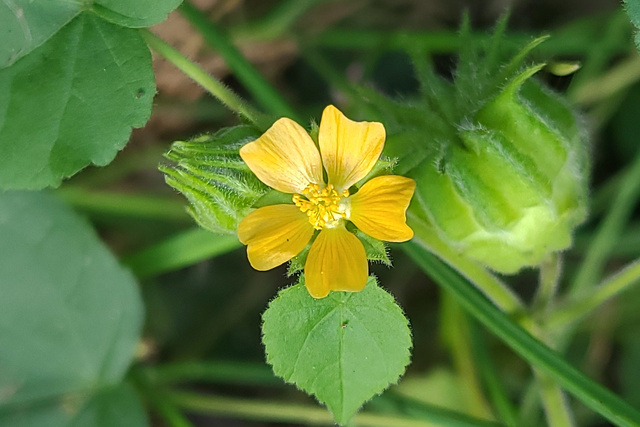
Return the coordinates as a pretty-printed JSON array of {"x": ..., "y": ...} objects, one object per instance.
[{"x": 212, "y": 310}]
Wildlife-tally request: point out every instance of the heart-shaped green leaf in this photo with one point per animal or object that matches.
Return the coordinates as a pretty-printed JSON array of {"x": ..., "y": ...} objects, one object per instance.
[
  {"x": 135, "y": 14},
  {"x": 70, "y": 318},
  {"x": 633, "y": 10},
  {"x": 343, "y": 349},
  {"x": 26, "y": 24},
  {"x": 72, "y": 102}
]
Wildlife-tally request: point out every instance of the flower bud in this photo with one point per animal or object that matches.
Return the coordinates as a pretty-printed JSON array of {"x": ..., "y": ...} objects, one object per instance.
[
  {"x": 210, "y": 173},
  {"x": 500, "y": 161},
  {"x": 515, "y": 189},
  {"x": 510, "y": 186}
]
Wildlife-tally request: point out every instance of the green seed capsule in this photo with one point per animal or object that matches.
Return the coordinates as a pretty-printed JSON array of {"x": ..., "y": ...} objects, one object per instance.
[
  {"x": 500, "y": 161},
  {"x": 512, "y": 187}
]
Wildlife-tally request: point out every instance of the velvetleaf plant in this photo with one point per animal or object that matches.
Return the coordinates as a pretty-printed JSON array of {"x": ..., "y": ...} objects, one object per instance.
[
  {"x": 500, "y": 165},
  {"x": 498, "y": 161},
  {"x": 360, "y": 341}
]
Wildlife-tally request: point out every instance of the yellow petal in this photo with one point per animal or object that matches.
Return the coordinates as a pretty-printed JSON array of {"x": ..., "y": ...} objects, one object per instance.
[
  {"x": 284, "y": 157},
  {"x": 336, "y": 262},
  {"x": 349, "y": 149},
  {"x": 274, "y": 235},
  {"x": 379, "y": 208}
]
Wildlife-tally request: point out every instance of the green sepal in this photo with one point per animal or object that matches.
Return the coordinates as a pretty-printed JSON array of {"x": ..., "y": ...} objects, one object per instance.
[
  {"x": 314, "y": 132},
  {"x": 384, "y": 166},
  {"x": 86, "y": 87},
  {"x": 375, "y": 249},
  {"x": 297, "y": 262},
  {"x": 343, "y": 349},
  {"x": 213, "y": 177}
]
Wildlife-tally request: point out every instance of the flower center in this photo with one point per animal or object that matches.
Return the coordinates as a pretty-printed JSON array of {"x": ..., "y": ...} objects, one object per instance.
[{"x": 322, "y": 205}]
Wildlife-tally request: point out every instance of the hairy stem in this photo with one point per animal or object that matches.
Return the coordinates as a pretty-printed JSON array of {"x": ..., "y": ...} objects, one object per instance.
[
  {"x": 246, "y": 73},
  {"x": 209, "y": 83}
]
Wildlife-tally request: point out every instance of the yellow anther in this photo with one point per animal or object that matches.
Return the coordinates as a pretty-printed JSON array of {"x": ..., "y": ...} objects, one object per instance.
[{"x": 322, "y": 205}]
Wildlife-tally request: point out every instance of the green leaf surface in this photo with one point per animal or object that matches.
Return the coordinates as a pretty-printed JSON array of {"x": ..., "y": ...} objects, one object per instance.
[
  {"x": 26, "y": 24},
  {"x": 94, "y": 84},
  {"x": 109, "y": 407},
  {"x": 135, "y": 14},
  {"x": 633, "y": 10},
  {"x": 343, "y": 349},
  {"x": 70, "y": 316}
]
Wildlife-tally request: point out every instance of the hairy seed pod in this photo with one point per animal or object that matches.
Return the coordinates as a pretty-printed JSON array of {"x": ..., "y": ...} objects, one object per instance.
[{"x": 513, "y": 185}]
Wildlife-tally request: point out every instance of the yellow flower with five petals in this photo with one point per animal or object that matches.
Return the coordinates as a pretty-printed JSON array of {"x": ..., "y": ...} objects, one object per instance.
[{"x": 286, "y": 159}]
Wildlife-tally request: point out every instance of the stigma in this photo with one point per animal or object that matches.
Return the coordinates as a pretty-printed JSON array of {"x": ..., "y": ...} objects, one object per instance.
[{"x": 322, "y": 205}]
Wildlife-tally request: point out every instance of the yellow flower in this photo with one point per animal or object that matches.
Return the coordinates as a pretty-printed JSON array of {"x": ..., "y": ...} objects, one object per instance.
[{"x": 286, "y": 159}]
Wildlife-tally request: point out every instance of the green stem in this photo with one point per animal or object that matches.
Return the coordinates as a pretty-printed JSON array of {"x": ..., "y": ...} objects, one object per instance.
[
  {"x": 124, "y": 205},
  {"x": 608, "y": 232},
  {"x": 210, "y": 84},
  {"x": 160, "y": 403},
  {"x": 218, "y": 371},
  {"x": 455, "y": 332},
  {"x": 554, "y": 402},
  {"x": 449, "y": 41},
  {"x": 490, "y": 377},
  {"x": 242, "y": 68},
  {"x": 395, "y": 403},
  {"x": 615, "y": 80},
  {"x": 437, "y": 42},
  {"x": 602, "y": 197},
  {"x": 556, "y": 408},
  {"x": 575, "y": 310},
  {"x": 304, "y": 414},
  {"x": 612, "y": 33},
  {"x": 180, "y": 250},
  {"x": 529, "y": 415},
  {"x": 628, "y": 245},
  {"x": 274, "y": 24},
  {"x": 550, "y": 271}
]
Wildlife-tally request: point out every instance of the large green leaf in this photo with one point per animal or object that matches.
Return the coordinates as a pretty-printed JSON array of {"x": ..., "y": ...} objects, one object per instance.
[
  {"x": 70, "y": 316},
  {"x": 633, "y": 10},
  {"x": 135, "y": 14},
  {"x": 72, "y": 102},
  {"x": 344, "y": 348},
  {"x": 26, "y": 24},
  {"x": 108, "y": 407}
]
